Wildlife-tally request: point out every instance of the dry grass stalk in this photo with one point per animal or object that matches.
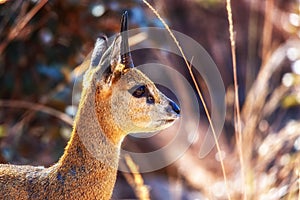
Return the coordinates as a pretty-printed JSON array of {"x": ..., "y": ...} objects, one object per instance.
[
  {"x": 197, "y": 88},
  {"x": 253, "y": 35},
  {"x": 267, "y": 29},
  {"x": 275, "y": 148},
  {"x": 254, "y": 103},
  {"x": 257, "y": 95},
  {"x": 275, "y": 100},
  {"x": 266, "y": 100},
  {"x": 237, "y": 121},
  {"x": 136, "y": 180},
  {"x": 260, "y": 103}
]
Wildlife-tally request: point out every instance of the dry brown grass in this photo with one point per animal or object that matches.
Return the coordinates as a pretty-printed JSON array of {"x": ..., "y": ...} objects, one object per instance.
[
  {"x": 135, "y": 180},
  {"x": 266, "y": 167},
  {"x": 261, "y": 164},
  {"x": 197, "y": 88}
]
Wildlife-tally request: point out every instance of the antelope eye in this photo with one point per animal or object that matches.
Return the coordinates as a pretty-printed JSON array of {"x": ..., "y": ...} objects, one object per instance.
[
  {"x": 150, "y": 99},
  {"x": 139, "y": 92}
]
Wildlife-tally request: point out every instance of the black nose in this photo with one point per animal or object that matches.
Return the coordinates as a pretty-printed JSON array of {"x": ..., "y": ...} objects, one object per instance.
[{"x": 175, "y": 107}]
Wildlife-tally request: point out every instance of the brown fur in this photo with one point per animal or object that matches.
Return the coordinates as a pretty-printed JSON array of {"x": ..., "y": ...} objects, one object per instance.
[
  {"x": 106, "y": 114},
  {"x": 77, "y": 175}
]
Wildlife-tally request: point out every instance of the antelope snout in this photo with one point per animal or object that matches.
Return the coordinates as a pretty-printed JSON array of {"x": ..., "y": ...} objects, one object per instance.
[{"x": 173, "y": 108}]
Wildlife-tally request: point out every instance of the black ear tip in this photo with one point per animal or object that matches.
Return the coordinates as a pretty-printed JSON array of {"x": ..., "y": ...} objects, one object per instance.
[
  {"x": 125, "y": 50},
  {"x": 124, "y": 21}
]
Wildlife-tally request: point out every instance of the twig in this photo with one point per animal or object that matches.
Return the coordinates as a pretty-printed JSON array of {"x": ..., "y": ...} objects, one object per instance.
[
  {"x": 20, "y": 25},
  {"x": 37, "y": 107}
]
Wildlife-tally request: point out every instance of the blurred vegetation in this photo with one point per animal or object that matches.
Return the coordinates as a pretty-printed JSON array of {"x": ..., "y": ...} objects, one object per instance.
[{"x": 42, "y": 43}]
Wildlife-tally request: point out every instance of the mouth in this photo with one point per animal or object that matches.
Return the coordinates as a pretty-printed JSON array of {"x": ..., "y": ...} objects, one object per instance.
[
  {"x": 165, "y": 123},
  {"x": 169, "y": 120}
]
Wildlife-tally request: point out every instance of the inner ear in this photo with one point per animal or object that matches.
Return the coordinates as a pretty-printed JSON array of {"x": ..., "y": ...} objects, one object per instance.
[
  {"x": 97, "y": 53},
  {"x": 116, "y": 69},
  {"x": 112, "y": 77}
]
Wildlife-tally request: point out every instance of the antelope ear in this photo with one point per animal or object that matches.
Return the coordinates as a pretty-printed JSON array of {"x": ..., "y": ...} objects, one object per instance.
[
  {"x": 120, "y": 57},
  {"x": 98, "y": 51},
  {"x": 110, "y": 62},
  {"x": 93, "y": 59}
]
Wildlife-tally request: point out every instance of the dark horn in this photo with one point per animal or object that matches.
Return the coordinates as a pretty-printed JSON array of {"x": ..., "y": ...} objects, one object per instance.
[{"x": 125, "y": 51}]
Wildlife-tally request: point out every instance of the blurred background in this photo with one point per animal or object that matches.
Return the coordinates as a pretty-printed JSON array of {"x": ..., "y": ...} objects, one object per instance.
[{"x": 42, "y": 43}]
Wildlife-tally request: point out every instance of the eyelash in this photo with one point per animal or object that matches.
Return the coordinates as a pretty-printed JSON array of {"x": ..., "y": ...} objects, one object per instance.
[
  {"x": 150, "y": 99},
  {"x": 143, "y": 91},
  {"x": 139, "y": 92}
]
